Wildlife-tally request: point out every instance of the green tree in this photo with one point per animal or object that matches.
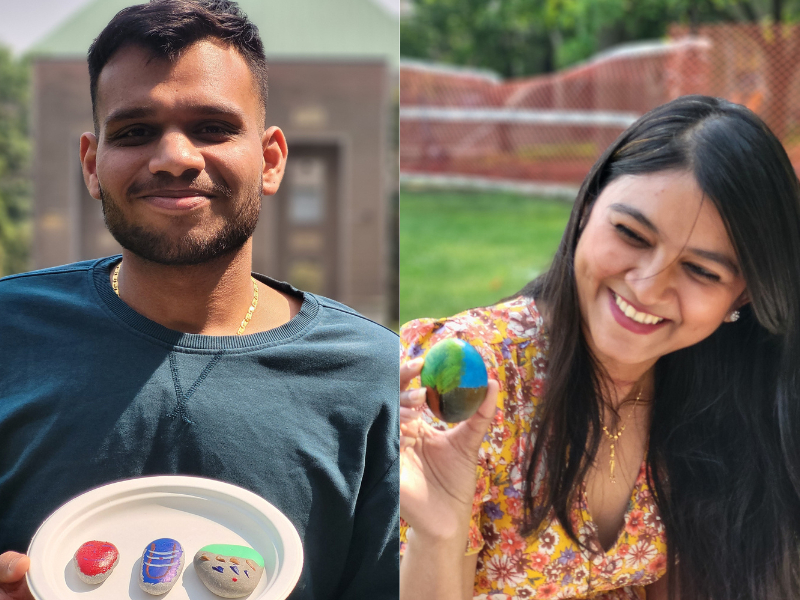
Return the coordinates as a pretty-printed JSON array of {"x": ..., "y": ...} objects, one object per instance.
[
  {"x": 524, "y": 37},
  {"x": 506, "y": 36},
  {"x": 588, "y": 26},
  {"x": 15, "y": 150}
]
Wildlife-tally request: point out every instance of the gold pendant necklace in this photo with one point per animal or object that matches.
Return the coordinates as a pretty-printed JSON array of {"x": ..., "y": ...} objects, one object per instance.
[
  {"x": 614, "y": 437},
  {"x": 245, "y": 321}
]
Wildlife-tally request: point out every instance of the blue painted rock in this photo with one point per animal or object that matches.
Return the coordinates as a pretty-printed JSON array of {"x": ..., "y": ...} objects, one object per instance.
[
  {"x": 455, "y": 378},
  {"x": 228, "y": 570},
  {"x": 95, "y": 560},
  {"x": 162, "y": 563}
]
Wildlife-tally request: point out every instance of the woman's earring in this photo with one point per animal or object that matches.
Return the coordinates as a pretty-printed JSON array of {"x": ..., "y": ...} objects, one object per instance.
[{"x": 734, "y": 316}]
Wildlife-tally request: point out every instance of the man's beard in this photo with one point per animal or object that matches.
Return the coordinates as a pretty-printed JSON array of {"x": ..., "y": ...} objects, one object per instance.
[{"x": 193, "y": 248}]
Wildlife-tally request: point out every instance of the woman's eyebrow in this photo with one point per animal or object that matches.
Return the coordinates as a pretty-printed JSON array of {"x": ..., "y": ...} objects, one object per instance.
[
  {"x": 635, "y": 213},
  {"x": 716, "y": 257}
]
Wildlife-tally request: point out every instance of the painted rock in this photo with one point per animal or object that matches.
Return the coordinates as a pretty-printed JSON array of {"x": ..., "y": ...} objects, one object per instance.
[
  {"x": 227, "y": 570},
  {"x": 95, "y": 560},
  {"x": 162, "y": 563},
  {"x": 455, "y": 378}
]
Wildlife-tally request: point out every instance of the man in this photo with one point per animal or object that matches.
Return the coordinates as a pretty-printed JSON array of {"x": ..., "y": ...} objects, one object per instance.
[{"x": 174, "y": 359}]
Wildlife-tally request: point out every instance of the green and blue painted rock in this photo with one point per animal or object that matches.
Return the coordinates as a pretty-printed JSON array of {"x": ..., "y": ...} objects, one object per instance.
[
  {"x": 229, "y": 570},
  {"x": 455, "y": 378}
]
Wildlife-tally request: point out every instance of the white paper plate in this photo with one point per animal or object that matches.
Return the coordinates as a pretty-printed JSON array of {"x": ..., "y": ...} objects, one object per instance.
[{"x": 132, "y": 513}]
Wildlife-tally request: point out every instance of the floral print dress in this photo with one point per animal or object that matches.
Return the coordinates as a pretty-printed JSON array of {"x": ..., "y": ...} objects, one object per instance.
[{"x": 510, "y": 337}]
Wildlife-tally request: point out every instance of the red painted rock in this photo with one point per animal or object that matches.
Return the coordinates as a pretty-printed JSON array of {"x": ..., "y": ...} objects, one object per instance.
[{"x": 95, "y": 560}]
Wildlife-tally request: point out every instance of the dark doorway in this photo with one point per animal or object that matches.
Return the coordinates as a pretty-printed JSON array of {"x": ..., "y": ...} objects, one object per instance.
[{"x": 308, "y": 219}]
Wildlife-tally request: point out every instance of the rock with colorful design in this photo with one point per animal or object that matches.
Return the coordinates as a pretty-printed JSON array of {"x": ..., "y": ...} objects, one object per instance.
[
  {"x": 456, "y": 380},
  {"x": 162, "y": 564},
  {"x": 227, "y": 570},
  {"x": 94, "y": 561}
]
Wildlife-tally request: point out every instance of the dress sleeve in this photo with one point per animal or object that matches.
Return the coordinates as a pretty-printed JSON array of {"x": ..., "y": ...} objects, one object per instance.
[{"x": 417, "y": 337}]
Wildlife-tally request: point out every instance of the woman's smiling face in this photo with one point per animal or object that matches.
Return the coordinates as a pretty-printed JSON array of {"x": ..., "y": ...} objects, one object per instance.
[{"x": 655, "y": 270}]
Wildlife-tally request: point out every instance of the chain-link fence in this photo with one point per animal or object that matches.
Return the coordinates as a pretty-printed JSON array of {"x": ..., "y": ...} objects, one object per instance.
[{"x": 468, "y": 126}]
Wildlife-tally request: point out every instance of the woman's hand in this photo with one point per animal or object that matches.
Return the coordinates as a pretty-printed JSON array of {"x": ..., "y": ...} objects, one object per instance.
[
  {"x": 13, "y": 585},
  {"x": 438, "y": 468}
]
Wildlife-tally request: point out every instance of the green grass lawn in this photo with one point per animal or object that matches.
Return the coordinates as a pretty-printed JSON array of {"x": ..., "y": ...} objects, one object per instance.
[{"x": 459, "y": 250}]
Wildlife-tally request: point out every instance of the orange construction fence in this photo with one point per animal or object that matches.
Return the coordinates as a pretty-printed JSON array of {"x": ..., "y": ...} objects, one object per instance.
[{"x": 550, "y": 129}]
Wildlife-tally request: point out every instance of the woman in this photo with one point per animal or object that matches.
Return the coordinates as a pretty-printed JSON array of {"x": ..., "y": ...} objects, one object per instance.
[{"x": 643, "y": 427}]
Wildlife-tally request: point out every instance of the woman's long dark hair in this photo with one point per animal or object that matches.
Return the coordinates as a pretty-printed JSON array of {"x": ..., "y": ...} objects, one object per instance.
[{"x": 724, "y": 445}]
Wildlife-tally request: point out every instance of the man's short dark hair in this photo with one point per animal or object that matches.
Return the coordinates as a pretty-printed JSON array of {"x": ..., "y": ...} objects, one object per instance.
[{"x": 167, "y": 27}]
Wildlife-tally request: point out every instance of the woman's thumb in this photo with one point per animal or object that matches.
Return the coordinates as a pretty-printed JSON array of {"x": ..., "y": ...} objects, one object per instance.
[{"x": 470, "y": 433}]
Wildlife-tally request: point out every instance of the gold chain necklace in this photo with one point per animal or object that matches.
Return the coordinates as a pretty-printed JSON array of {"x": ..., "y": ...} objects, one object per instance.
[
  {"x": 245, "y": 321},
  {"x": 614, "y": 437}
]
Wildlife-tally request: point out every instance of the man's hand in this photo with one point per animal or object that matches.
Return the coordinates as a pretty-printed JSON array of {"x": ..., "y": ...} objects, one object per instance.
[{"x": 13, "y": 585}]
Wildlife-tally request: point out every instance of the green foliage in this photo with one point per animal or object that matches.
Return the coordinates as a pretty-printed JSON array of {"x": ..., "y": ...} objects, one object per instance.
[
  {"x": 507, "y": 36},
  {"x": 461, "y": 250},
  {"x": 15, "y": 150},
  {"x": 589, "y": 26},
  {"x": 523, "y": 37}
]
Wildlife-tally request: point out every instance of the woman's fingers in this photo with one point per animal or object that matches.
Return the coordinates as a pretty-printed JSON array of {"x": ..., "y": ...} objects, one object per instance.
[
  {"x": 412, "y": 398},
  {"x": 409, "y": 370},
  {"x": 438, "y": 470},
  {"x": 408, "y": 436}
]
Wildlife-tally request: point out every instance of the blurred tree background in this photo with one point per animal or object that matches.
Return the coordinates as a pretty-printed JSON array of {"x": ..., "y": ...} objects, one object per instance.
[
  {"x": 527, "y": 37},
  {"x": 15, "y": 152}
]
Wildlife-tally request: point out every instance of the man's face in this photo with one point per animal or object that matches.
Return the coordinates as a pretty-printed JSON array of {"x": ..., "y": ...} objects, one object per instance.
[{"x": 181, "y": 159}]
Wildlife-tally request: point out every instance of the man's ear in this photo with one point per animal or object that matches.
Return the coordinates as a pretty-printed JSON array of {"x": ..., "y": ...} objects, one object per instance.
[
  {"x": 89, "y": 164},
  {"x": 274, "y": 153}
]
